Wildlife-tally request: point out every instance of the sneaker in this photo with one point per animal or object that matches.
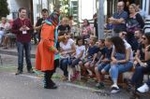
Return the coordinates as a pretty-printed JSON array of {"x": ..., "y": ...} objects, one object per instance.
[
  {"x": 100, "y": 85},
  {"x": 114, "y": 89},
  {"x": 31, "y": 71},
  {"x": 18, "y": 72},
  {"x": 143, "y": 89}
]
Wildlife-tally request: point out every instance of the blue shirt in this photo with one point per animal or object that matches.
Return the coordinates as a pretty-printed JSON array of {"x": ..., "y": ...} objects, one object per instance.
[
  {"x": 120, "y": 27},
  {"x": 108, "y": 53},
  {"x": 92, "y": 50}
]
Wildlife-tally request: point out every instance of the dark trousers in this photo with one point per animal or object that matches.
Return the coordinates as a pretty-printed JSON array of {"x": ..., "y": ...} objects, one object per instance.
[
  {"x": 64, "y": 65},
  {"x": 137, "y": 78},
  {"x": 21, "y": 47},
  {"x": 48, "y": 75}
]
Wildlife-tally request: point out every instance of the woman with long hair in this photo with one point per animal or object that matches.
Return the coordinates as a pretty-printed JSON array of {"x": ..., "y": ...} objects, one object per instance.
[
  {"x": 143, "y": 67},
  {"x": 133, "y": 23},
  {"x": 121, "y": 61},
  {"x": 86, "y": 29}
]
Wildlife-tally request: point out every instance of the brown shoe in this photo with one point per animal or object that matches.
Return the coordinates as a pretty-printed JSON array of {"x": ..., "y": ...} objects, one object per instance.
[{"x": 18, "y": 72}]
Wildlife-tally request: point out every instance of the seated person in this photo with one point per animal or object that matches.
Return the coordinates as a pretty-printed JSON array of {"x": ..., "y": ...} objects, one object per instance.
[
  {"x": 102, "y": 49},
  {"x": 67, "y": 47},
  {"x": 104, "y": 64},
  {"x": 88, "y": 63},
  {"x": 145, "y": 87},
  {"x": 78, "y": 56},
  {"x": 64, "y": 26},
  {"x": 86, "y": 29},
  {"x": 7, "y": 39},
  {"x": 122, "y": 60},
  {"x": 143, "y": 66},
  {"x": 4, "y": 28}
]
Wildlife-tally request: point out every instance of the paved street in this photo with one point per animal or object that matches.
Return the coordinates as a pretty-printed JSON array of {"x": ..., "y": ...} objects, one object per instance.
[{"x": 27, "y": 86}]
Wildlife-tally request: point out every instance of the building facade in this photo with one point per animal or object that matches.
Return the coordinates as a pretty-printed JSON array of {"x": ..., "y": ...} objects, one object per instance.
[{"x": 78, "y": 8}]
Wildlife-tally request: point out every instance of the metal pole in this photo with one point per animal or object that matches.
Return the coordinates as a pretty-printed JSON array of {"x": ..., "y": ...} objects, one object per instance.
[{"x": 101, "y": 20}]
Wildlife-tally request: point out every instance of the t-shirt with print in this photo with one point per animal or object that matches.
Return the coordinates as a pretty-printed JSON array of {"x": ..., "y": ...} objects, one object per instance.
[
  {"x": 63, "y": 29},
  {"x": 79, "y": 49}
]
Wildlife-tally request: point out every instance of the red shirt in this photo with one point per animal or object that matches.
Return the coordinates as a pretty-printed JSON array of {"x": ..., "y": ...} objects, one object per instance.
[{"x": 17, "y": 24}]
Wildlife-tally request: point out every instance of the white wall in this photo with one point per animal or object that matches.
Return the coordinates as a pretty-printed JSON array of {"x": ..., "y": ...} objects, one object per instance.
[
  {"x": 38, "y": 5},
  {"x": 86, "y": 9},
  {"x": 14, "y": 5}
]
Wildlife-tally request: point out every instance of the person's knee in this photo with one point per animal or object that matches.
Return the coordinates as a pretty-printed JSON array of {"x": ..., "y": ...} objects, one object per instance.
[
  {"x": 64, "y": 61},
  {"x": 103, "y": 71},
  {"x": 113, "y": 68},
  {"x": 80, "y": 63},
  {"x": 86, "y": 65},
  {"x": 96, "y": 69}
]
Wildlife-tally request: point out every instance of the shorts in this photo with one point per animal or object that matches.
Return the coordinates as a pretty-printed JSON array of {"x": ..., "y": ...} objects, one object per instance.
[{"x": 105, "y": 66}]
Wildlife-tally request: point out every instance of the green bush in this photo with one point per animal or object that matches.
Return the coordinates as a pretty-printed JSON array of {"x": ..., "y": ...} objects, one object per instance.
[{"x": 4, "y": 11}]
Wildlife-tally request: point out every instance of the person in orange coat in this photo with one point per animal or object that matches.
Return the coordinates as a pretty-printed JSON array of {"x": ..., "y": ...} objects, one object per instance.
[{"x": 46, "y": 50}]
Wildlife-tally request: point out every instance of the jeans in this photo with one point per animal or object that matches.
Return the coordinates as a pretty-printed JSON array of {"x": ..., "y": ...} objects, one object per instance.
[
  {"x": 137, "y": 78},
  {"x": 64, "y": 65},
  {"x": 20, "y": 48},
  {"x": 118, "y": 68},
  {"x": 105, "y": 66},
  {"x": 75, "y": 62}
]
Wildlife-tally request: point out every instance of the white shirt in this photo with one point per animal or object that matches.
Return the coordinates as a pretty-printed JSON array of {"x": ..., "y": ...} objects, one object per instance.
[
  {"x": 127, "y": 46},
  {"x": 6, "y": 26},
  {"x": 79, "y": 49},
  {"x": 67, "y": 46}
]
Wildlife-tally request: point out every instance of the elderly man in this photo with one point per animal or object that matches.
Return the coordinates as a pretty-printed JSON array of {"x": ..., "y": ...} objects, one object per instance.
[{"x": 118, "y": 19}]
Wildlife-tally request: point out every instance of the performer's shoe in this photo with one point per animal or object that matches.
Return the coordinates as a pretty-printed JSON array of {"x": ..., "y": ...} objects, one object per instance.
[
  {"x": 51, "y": 87},
  {"x": 31, "y": 71}
]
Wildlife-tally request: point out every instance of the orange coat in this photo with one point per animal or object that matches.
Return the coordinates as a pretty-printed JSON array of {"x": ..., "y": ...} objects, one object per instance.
[{"x": 44, "y": 56}]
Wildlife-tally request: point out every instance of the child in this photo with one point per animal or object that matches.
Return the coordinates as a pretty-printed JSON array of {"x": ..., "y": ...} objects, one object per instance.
[
  {"x": 90, "y": 56},
  {"x": 101, "y": 52},
  {"x": 104, "y": 65},
  {"x": 79, "y": 55}
]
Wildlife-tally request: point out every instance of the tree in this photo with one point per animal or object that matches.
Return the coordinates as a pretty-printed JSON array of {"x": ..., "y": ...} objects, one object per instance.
[
  {"x": 4, "y": 11},
  {"x": 65, "y": 7}
]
